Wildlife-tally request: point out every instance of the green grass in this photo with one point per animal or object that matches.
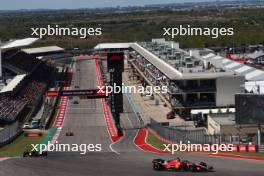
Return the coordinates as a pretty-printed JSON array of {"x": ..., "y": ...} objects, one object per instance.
[
  {"x": 257, "y": 154},
  {"x": 18, "y": 146},
  {"x": 248, "y": 25},
  {"x": 155, "y": 142},
  {"x": 50, "y": 135}
]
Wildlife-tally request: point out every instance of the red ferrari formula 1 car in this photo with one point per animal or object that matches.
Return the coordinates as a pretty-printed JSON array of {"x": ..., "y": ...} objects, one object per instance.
[{"x": 178, "y": 165}]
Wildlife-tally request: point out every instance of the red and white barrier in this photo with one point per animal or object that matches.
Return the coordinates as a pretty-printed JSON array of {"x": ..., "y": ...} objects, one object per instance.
[
  {"x": 252, "y": 148},
  {"x": 235, "y": 148},
  {"x": 242, "y": 148},
  {"x": 111, "y": 128},
  {"x": 61, "y": 111}
]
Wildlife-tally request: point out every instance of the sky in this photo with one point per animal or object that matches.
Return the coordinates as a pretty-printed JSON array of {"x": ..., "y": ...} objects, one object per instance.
[{"x": 73, "y": 4}]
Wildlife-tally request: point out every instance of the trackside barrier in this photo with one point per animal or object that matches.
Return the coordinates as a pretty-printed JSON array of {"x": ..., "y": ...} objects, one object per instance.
[
  {"x": 249, "y": 148},
  {"x": 235, "y": 148},
  {"x": 252, "y": 148},
  {"x": 260, "y": 148},
  {"x": 175, "y": 135},
  {"x": 242, "y": 148},
  {"x": 9, "y": 133}
]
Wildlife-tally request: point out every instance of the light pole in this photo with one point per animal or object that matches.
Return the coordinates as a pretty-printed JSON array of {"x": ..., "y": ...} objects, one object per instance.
[{"x": 259, "y": 135}]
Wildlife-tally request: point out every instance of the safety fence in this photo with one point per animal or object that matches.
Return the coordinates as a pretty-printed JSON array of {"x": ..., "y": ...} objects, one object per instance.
[
  {"x": 199, "y": 136},
  {"x": 260, "y": 148},
  {"x": 174, "y": 134},
  {"x": 9, "y": 133}
]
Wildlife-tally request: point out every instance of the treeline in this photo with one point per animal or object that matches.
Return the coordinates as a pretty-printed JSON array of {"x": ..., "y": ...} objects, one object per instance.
[{"x": 248, "y": 25}]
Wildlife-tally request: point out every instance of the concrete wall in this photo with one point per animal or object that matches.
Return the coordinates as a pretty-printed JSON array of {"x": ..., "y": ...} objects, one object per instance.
[
  {"x": 226, "y": 88},
  {"x": 212, "y": 126}
]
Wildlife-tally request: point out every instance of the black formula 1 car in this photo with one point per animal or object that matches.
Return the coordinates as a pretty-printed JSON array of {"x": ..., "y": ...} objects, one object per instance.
[
  {"x": 178, "y": 165},
  {"x": 35, "y": 154},
  {"x": 69, "y": 133}
]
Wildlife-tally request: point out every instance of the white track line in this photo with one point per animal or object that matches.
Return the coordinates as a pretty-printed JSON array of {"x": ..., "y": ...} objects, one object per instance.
[
  {"x": 113, "y": 150},
  {"x": 3, "y": 159}
]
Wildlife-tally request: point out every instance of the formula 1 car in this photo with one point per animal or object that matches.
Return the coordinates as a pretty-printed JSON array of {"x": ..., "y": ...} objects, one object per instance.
[
  {"x": 178, "y": 165},
  {"x": 69, "y": 133},
  {"x": 35, "y": 154}
]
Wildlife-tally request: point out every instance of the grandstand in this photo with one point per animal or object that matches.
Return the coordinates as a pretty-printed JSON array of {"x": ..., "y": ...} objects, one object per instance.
[
  {"x": 25, "y": 97},
  {"x": 10, "y": 108},
  {"x": 193, "y": 82},
  {"x": 13, "y": 83},
  {"x": 43, "y": 51},
  {"x": 11, "y": 47},
  {"x": 254, "y": 77},
  {"x": 24, "y": 78}
]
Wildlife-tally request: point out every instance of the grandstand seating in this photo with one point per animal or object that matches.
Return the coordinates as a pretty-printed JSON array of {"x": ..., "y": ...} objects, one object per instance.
[
  {"x": 10, "y": 108},
  {"x": 32, "y": 92},
  {"x": 29, "y": 94}
]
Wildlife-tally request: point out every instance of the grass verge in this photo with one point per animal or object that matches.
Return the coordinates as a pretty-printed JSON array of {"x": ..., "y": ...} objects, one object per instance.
[
  {"x": 155, "y": 142},
  {"x": 256, "y": 154},
  {"x": 18, "y": 146}
]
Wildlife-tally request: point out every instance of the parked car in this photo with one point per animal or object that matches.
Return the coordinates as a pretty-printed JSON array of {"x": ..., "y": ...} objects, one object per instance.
[
  {"x": 35, "y": 124},
  {"x": 26, "y": 126}
]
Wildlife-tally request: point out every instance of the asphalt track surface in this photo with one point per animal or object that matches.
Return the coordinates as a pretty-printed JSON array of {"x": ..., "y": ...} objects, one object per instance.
[{"x": 122, "y": 158}]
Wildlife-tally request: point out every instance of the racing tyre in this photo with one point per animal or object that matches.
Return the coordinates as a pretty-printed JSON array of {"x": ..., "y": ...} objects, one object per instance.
[
  {"x": 44, "y": 154},
  {"x": 157, "y": 167},
  {"x": 192, "y": 168},
  {"x": 211, "y": 169},
  {"x": 203, "y": 164},
  {"x": 25, "y": 154}
]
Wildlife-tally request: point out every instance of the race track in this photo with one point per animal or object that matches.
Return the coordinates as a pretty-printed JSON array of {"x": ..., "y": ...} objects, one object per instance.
[{"x": 86, "y": 120}]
